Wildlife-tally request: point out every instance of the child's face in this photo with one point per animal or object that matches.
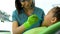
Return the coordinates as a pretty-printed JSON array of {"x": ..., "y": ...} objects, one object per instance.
[{"x": 49, "y": 19}]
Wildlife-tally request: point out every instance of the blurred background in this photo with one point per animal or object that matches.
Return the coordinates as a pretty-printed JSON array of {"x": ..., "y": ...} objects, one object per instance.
[{"x": 8, "y": 6}]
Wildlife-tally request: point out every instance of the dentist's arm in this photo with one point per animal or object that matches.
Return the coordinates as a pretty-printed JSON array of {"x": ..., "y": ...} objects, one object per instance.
[{"x": 30, "y": 21}]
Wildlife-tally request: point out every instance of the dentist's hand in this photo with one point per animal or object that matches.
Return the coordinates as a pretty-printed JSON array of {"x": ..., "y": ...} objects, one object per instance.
[{"x": 30, "y": 21}]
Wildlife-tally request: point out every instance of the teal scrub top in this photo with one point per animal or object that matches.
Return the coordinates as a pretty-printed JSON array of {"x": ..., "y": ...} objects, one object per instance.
[{"x": 22, "y": 17}]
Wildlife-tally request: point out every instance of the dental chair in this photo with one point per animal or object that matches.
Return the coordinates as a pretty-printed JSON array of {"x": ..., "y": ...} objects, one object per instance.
[
  {"x": 4, "y": 32},
  {"x": 53, "y": 29}
]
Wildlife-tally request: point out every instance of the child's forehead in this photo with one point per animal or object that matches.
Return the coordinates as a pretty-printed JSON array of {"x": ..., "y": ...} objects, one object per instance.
[{"x": 50, "y": 12}]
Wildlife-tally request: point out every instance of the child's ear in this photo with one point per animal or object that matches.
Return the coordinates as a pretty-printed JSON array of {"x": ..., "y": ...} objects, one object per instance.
[{"x": 53, "y": 20}]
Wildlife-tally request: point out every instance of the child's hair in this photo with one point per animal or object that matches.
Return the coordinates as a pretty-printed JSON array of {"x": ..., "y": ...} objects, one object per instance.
[{"x": 56, "y": 11}]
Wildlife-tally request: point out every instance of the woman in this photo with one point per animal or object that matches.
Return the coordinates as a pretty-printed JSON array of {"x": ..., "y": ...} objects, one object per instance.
[{"x": 25, "y": 8}]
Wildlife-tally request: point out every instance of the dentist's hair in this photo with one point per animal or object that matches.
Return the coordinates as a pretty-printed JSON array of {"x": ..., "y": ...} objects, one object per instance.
[{"x": 19, "y": 6}]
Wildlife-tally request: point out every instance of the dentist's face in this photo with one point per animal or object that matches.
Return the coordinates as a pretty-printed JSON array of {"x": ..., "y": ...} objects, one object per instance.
[{"x": 26, "y": 3}]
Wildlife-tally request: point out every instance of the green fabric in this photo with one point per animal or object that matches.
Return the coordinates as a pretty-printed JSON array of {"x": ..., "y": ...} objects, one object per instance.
[
  {"x": 35, "y": 30},
  {"x": 43, "y": 30},
  {"x": 51, "y": 29},
  {"x": 31, "y": 20}
]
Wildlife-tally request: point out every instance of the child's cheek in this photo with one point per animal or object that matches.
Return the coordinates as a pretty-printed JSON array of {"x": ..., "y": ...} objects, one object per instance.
[{"x": 47, "y": 18}]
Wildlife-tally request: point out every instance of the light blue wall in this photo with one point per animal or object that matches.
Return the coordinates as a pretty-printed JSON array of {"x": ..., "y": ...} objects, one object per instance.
[
  {"x": 46, "y": 5},
  {"x": 9, "y": 5}
]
